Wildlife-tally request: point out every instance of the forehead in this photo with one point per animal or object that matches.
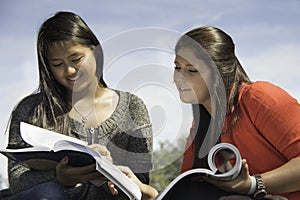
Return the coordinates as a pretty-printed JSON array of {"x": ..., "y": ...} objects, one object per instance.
[
  {"x": 187, "y": 54},
  {"x": 59, "y": 48},
  {"x": 190, "y": 56}
]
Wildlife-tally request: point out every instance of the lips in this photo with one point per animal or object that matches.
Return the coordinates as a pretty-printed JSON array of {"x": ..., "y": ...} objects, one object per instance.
[
  {"x": 73, "y": 79},
  {"x": 184, "y": 89}
]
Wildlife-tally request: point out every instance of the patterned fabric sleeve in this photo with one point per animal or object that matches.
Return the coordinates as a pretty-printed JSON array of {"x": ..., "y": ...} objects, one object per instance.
[
  {"x": 141, "y": 144},
  {"x": 21, "y": 177}
]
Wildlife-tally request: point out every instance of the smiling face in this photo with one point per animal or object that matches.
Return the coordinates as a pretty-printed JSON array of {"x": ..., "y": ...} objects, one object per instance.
[
  {"x": 191, "y": 77},
  {"x": 73, "y": 66}
]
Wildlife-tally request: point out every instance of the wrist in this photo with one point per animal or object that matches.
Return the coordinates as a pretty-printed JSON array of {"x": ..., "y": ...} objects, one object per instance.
[
  {"x": 148, "y": 192},
  {"x": 260, "y": 191},
  {"x": 253, "y": 186}
]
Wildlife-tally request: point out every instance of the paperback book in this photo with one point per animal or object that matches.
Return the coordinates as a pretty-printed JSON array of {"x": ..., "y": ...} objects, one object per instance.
[{"x": 49, "y": 147}]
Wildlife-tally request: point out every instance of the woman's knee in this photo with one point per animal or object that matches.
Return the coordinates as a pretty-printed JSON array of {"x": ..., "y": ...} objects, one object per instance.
[{"x": 44, "y": 191}]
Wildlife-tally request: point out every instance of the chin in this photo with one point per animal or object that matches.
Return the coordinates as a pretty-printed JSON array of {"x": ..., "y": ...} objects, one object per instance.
[
  {"x": 79, "y": 89},
  {"x": 186, "y": 100}
]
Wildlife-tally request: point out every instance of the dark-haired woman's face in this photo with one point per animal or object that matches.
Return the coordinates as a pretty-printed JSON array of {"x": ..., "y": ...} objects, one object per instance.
[
  {"x": 191, "y": 77},
  {"x": 73, "y": 66}
]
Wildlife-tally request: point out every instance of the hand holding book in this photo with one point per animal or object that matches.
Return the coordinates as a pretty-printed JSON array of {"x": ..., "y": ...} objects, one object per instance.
[
  {"x": 69, "y": 176},
  {"x": 49, "y": 149},
  {"x": 225, "y": 165},
  {"x": 102, "y": 150},
  {"x": 148, "y": 192},
  {"x": 239, "y": 185}
]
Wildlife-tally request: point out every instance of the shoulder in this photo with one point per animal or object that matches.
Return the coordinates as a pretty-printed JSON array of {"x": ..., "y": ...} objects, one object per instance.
[
  {"x": 135, "y": 104},
  {"x": 265, "y": 93},
  {"x": 132, "y": 99},
  {"x": 28, "y": 102}
]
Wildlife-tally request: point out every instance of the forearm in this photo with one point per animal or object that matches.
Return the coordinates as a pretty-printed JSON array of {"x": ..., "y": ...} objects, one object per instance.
[
  {"x": 143, "y": 177},
  {"x": 148, "y": 192},
  {"x": 22, "y": 178},
  {"x": 283, "y": 179}
]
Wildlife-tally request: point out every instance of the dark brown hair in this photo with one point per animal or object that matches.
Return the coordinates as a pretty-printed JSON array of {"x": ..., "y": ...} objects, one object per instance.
[
  {"x": 63, "y": 27},
  {"x": 218, "y": 47}
]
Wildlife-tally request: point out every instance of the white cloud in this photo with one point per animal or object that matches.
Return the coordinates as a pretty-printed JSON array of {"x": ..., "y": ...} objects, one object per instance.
[
  {"x": 279, "y": 64},
  {"x": 266, "y": 35}
]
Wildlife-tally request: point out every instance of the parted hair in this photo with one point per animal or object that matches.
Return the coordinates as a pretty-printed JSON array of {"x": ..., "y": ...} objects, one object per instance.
[
  {"x": 220, "y": 48},
  {"x": 62, "y": 28}
]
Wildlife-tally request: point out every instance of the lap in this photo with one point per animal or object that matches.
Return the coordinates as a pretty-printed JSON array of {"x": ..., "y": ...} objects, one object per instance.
[
  {"x": 48, "y": 190},
  {"x": 192, "y": 190}
]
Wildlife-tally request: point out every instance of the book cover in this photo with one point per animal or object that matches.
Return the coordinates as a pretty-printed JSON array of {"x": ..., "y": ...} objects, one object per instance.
[
  {"x": 49, "y": 147},
  {"x": 224, "y": 162}
]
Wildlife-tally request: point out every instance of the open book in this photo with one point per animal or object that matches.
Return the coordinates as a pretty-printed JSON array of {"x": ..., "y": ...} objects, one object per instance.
[
  {"x": 225, "y": 163},
  {"x": 49, "y": 147}
]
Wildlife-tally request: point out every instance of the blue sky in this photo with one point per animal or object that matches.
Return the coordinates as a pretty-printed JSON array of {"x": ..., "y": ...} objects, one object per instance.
[{"x": 266, "y": 34}]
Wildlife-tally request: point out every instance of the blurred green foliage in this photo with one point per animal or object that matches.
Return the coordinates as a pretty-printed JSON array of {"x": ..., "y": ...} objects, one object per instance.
[{"x": 166, "y": 163}]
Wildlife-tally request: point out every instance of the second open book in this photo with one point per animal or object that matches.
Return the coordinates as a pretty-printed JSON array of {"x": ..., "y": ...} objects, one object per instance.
[{"x": 225, "y": 164}]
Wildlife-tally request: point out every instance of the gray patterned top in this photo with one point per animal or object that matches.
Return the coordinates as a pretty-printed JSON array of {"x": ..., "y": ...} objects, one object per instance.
[{"x": 127, "y": 134}]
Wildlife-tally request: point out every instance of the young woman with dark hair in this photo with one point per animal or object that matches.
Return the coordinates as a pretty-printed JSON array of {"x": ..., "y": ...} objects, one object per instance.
[
  {"x": 260, "y": 119},
  {"x": 74, "y": 100}
]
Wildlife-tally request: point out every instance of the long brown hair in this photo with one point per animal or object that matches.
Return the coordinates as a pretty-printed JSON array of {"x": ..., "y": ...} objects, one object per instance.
[
  {"x": 61, "y": 28},
  {"x": 220, "y": 48}
]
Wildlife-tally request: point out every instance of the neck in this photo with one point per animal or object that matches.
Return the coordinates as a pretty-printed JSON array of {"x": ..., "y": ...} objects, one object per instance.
[
  {"x": 84, "y": 105},
  {"x": 208, "y": 108},
  {"x": 88, "y": 95}
]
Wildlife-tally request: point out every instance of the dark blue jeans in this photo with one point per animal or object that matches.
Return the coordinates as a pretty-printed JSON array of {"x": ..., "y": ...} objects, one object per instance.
[{"x": 44, "y": 191}]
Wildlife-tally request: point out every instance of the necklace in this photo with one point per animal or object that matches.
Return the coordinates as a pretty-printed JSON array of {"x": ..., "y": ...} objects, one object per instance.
[{"x": 83, "y": 118}]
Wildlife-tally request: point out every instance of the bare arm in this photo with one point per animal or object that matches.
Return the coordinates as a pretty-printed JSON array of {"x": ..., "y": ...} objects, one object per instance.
[
  {"x": 148, "y": 192},
  {"x": 283, "y": 179}
]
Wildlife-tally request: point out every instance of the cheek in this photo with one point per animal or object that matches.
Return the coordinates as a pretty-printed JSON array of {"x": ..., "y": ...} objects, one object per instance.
[
  {"x": 199, "y": 85},
  {"x": 56, "y": 74},
  {"x": 90, "y": 63},
  {"x": 175, "y": 78},
  {"x": 178, "y": 78},
  {"x": 202, "y": 93},
  {"x": 87, "y": 68}
]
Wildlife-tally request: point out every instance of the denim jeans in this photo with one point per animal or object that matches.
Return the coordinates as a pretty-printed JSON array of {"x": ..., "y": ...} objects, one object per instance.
[{"x": 44, "y": 191}]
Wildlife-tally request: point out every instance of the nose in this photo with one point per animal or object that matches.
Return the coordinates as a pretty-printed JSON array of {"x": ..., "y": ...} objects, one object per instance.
[
  {"x": 71, "y": 70},
  {"x": 179, "y": 77}
]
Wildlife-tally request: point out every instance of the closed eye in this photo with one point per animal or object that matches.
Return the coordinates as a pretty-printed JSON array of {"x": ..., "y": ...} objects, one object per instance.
[
  {"x": 57, "y": 65},
  {"x": 193, "y": 70},
  {"x": 76, "y": 60}
]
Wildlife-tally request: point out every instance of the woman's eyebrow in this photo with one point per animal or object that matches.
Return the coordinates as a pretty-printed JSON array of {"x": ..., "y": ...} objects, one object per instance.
[
  {"x": 189, "y": 65},
  {"x": 73, "y": 54}
]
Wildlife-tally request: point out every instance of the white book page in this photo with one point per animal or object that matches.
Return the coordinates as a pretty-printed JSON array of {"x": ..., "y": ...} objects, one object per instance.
[
  {"x": 118, "y": 178},
  {"x": 235, "y": 170},
  {"x": 30, "y": 149},
  {"x": 229, "y": 175},
  {"x": 109, "y": 170},
  {"x": 41, "y": 139},
  {"x": 36, "y": 136},
  {"x": 172, "y": 183},
  {"x": 70, "y": 145}
]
